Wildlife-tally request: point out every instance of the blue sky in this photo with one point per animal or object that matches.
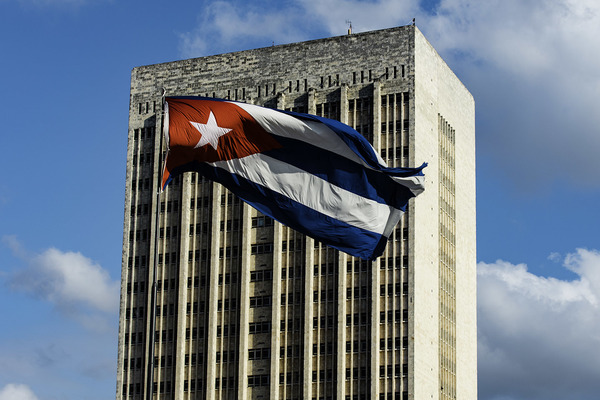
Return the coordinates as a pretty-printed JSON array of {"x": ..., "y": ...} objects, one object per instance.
[{"x": 533, "y": 68}]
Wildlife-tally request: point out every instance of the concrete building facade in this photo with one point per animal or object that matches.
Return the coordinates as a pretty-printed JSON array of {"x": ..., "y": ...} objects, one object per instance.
[{"x": 247, "y": 308}]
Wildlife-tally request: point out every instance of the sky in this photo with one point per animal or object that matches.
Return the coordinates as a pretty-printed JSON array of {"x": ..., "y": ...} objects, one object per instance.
[{"x": 533, "y": 68}]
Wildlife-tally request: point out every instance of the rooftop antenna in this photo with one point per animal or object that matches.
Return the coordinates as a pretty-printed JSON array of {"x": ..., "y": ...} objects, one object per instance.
[{"x": 349, "y": 26}]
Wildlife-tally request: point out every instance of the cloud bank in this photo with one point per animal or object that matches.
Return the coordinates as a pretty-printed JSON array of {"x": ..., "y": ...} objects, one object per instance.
[
  {"x": 539, "y": 338},
  {"x": 78, "y": 287},
  {"x": 14, "y": 391},
  {"x": 532, "y": 67}
]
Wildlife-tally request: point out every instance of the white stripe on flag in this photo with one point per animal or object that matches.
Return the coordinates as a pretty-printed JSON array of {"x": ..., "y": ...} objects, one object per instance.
[
  {"x": 314, "y": 192},
  {"x": 282, "y": 124},
  {"x": 415, "y": 184}
]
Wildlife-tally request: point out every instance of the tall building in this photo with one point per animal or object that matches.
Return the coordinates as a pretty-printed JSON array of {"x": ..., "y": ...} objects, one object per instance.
[{"x": 249, "y": 309}]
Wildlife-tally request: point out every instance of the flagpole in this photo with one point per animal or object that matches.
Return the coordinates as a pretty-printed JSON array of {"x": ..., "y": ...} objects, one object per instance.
[{"x": 152, "y": 334}]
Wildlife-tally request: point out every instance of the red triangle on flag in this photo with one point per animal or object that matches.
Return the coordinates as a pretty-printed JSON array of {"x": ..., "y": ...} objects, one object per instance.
[{"x": 204, "y": 130}]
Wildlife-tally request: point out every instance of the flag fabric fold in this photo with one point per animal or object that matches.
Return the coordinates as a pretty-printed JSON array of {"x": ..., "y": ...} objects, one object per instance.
[{"x": 313, "y": 174}]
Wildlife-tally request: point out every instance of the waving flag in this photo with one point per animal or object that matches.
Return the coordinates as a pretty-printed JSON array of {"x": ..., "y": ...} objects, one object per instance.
[{"x": 315, "y": 175}]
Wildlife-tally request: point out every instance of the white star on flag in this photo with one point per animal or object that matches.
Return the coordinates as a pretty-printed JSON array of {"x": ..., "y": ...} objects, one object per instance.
[{"x": 211, "y": 132}]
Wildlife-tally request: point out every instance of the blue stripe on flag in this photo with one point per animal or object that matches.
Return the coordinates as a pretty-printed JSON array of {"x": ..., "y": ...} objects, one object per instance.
[
  {"x": 342, "y": 172},
  {"x": 358, "y": 144},
  {"x": 330, "y": 231}
]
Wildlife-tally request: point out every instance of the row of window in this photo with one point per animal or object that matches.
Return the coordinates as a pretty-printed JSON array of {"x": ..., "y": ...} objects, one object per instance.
[
  {"x": 227, "y": 305},
  {"x": 263, "y": 353},
  {"x": 232, "y": 200},
  {"x": 356, "y": 346},
  {"x": 358, "y": 292},
  {"x": 393, "y": 289},
  {"x": 141, "y": 184},
  {"x": 393, "y": 316},
  {"x": 324, "y": 321},
  {"x": 291, "y": 272},
  {"x": 400, "y": 152},
  {"x": 169, "y": 206},
  {"x": 133, "y": 363},
  {"x": 398, "y": 126},
  {"x": 200, "y": 202},
  {"x": 261, "y": 276},
  {"x": 259, "y": 327},
  {"x": 200, "y": 228},
  {"x": 166, "y": 310},
  {"x": 139, "y": 210},
  {"x": 192, "y": 385},
  {"x": 357, "y": 319},
  {"x": 226, "y": 356},
  {"x": 167, "y": 258},
  {"x": 234, "y": 225},
  {"x": 396, "y": 370},
  {"x": 144, "y": 133},
  {"x": 198, "y": 255},
  {"x": 262, "y": 221},
  {"x": 326, "y": 295},
  {"x": 229, "y": 252},
  {"x": 292, "y": 245},
  {"x": 197, "y": 281},
  {"x": 194, "y": 333},
  {"x": 260, "y": 301},
  {"x": 258, "y": 380},
  {"x": 292, "y": 324},
  {"x": 263, "y": 248},
  {"x": 135, "y": 312},
  {"x": 144, "y": 158},
  {"x": 225, "y": 382},
  {"x": 291, "y": 351},
  {"x": 396, "y": 262},
  {"x": 393, "y": 344},
  {"x": 392, "y": 396},
  {"x": 145, "y": 108},
  {"x": 135, "y": 338},
  {"x": 137, "y": 235},
  {"x": 290, "y": 298},
  {"x": 195, "y": 307},
  {"x": 289, "y": 378},
  {"x": 136, "y": 285},
  {"x": 168, "y": 232},
  {"x": 326, "y": 269}
]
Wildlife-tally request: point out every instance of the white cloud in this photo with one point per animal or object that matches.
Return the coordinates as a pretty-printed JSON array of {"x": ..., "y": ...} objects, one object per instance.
[
  {"x": 227, "y": 26},
  {"x": 534, "y": 71},
  {"x": 539, "y": 338},
  {"x": 15, "y": 391},
  {"x": 532, "y": 67},
  {"x": 365, "y": 15},
  {"x": 75, "y": 284},
  {"x": 223, "y": 26}
]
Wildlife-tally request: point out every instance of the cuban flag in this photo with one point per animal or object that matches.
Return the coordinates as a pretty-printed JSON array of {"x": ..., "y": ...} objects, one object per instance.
[{"x": 313, "y": 174}]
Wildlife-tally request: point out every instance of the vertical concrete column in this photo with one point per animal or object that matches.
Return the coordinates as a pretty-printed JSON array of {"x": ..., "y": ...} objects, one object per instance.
[
  {"x": 184, "y": 247},
  {"x": 276, "y": 311},
  {"x": 341, "y": 284},
  {"x": 213, "y": 292},
  {"x": 308, "y": 315},
  {"x": 377, "y": 115},
  {"x": 341, "y": 324},
  {"x": 375, "y": 329},
  {"x": 244, "y": 303},
  {"x": 124, "y": 325},
  {"x": 153, "y": 263},
  {"x": 281, "y": 101},
  {"x": 344, "y": 103},
  {"x": 312, "y": 104},
  {"x": 375, "y": 275}
]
